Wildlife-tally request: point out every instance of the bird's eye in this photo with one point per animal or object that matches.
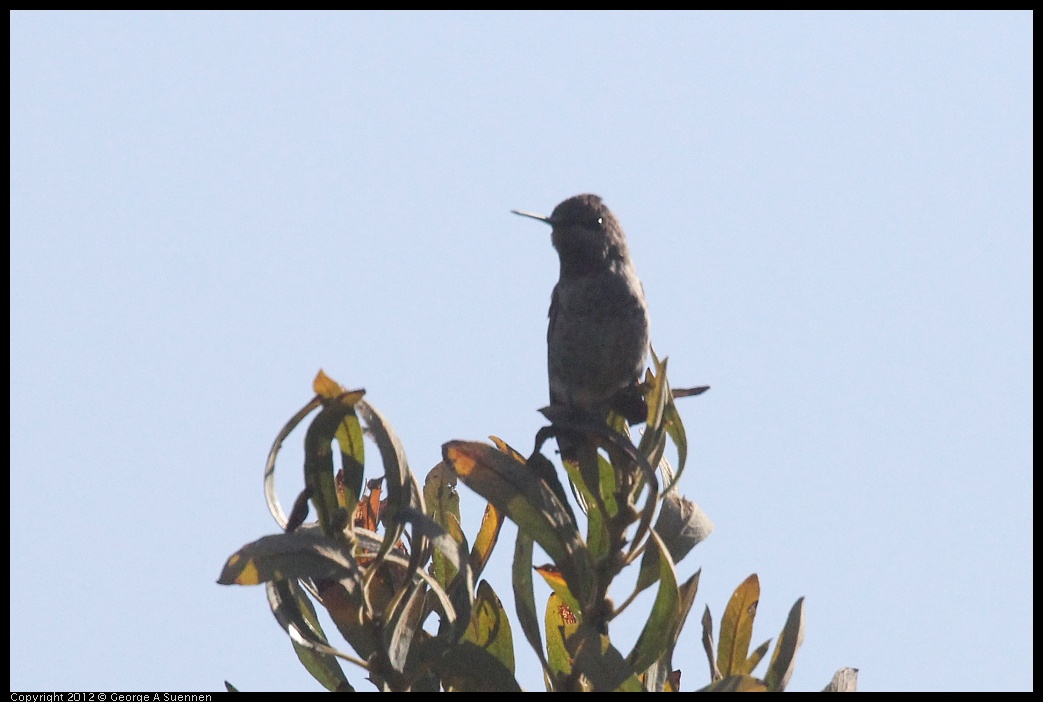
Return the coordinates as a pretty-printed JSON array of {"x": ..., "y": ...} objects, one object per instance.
[{"x": 601, "y": 220}]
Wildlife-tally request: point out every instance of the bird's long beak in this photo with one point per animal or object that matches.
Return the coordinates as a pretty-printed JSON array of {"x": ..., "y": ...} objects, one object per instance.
[{"x": 532, "y": 216}]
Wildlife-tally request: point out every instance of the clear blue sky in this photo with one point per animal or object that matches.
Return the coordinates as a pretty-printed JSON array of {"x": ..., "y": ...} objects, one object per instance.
[{"x": 831, "y": 214}]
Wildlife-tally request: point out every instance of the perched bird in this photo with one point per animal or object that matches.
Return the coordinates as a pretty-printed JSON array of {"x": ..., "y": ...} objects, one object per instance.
[{"x": 597, "y": 338}]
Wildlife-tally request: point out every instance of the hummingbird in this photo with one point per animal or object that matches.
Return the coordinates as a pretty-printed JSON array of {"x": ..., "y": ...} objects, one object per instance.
[{"x": 597, "y": 335}]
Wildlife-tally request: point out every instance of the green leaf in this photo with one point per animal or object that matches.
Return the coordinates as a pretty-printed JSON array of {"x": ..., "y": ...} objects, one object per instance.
[
  {"x": 440, "y": 495},
  {"x": 687, "y": 593},
  {"x": 270, "y": 495},
  {"x": 410, "y": 649},
  {"x": 560, "y": 622},
  {"x": 600, "y": 663},
  {"x": 658, "y": 394},
  {"x": 671, "y": 423},
  {"x": 361, "y": 619},
  {"x": 653, "y": 440},
  {"x": 454, "y": 601},
  {"x": 318, "y": 460},
  {"x": 296, "y": 615},
  {"x": 755, "y": 658},
  {"x": 675, "y": 430},
  {"x": 352, "y": 457},
  {"x": 737, "y": 627},
  {"x": 305, "y": 553},
  {"x": 349, "y": 438},
  {"x": 292, "y": 608},
  {"x": 736, "y": 683},
  {"x": 490, "y": 629},
  {"x": 346, "y": 608},
  {"x": 539, "y": 468},
  {"x": 662, "y": 676},
  {"x": 524, "y": 601},
  {"x": 404, "y": 626},
  {"x": 627, "y": 461},
  {"x": 599, "y": 507},
  {"x": 715, "y": 673},
  {"x": 403, "y": 492},
  {"x": 552, "y": 576},
  {"x": 528, "y": 502},
  {"x": 658, "y": 630},
  {"x": 396, "y": 468},
  {"x": 782, "y": 660},
  {"x": 443, "y": 505},
  {"x": 456, "y": 533},
  {"x": 467, "y": 667}
]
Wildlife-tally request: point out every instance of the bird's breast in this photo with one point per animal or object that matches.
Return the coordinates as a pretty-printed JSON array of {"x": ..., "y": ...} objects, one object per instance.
[{"x": 597, "y": 339}]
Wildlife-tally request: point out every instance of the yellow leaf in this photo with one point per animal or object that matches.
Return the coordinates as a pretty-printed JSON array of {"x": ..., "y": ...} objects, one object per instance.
[{"x": 326, "y": 387}]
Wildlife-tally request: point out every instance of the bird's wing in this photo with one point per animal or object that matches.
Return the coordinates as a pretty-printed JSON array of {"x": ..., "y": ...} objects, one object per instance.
[{"x": 552, "y": 313}]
